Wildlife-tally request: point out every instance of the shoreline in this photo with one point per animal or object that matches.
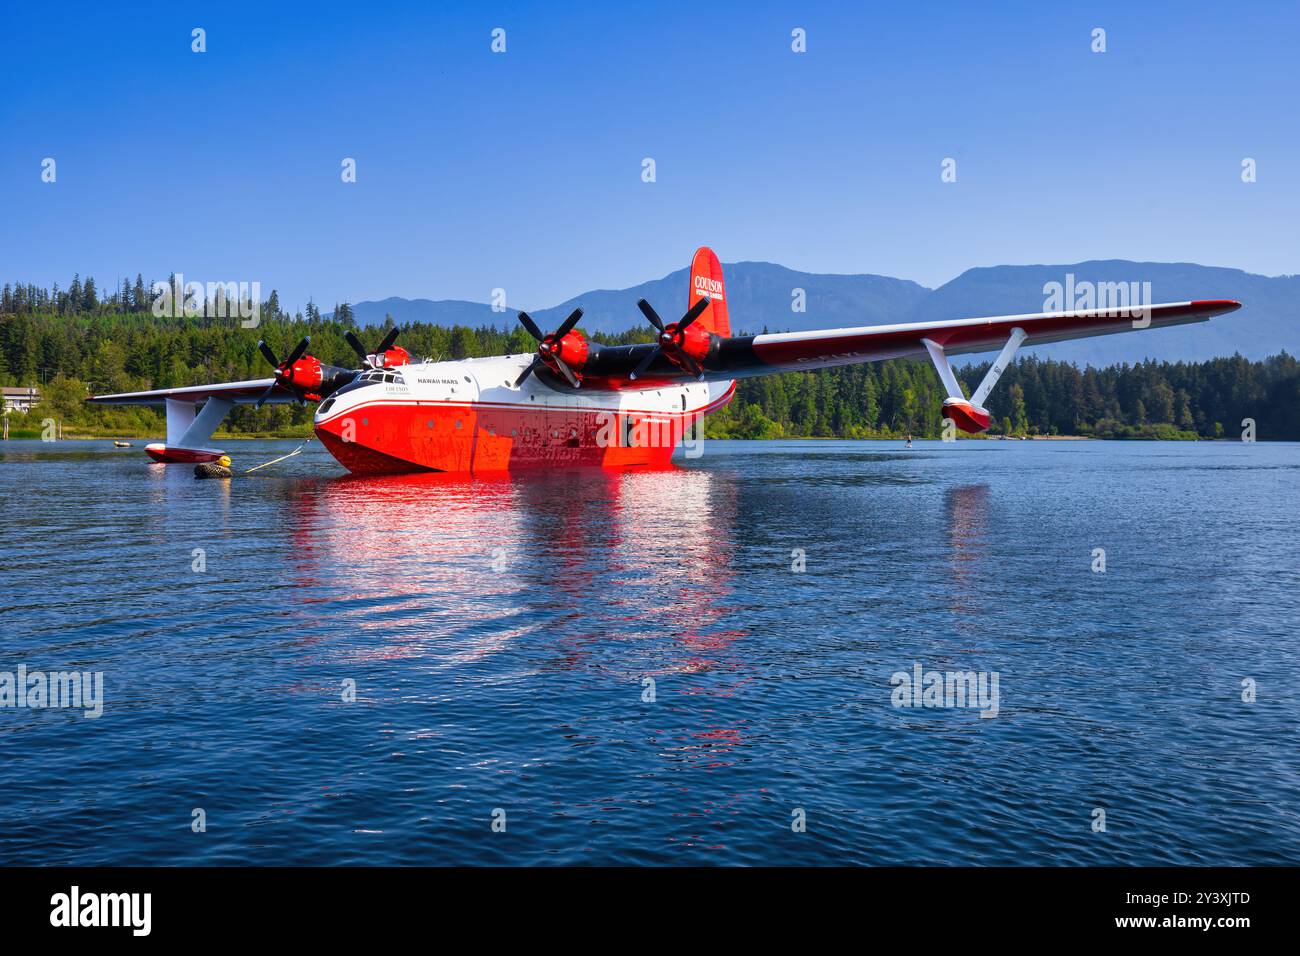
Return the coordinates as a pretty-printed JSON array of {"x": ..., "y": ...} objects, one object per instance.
[{"x": 304, "y": 434}]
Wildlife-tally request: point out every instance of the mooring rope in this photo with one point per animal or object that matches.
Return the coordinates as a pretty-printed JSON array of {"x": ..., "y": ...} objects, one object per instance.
[{"x": 281, "y": 458}]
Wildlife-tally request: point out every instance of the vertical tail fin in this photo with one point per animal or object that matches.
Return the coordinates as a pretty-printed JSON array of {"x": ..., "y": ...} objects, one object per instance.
[{"x": 706, "y": 279}]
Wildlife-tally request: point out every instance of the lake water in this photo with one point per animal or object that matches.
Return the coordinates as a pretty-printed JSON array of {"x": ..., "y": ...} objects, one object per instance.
[{"x": 630, "y": 668}]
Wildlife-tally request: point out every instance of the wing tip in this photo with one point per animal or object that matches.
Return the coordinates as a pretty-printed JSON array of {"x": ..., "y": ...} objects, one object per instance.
[{"x": 1216, "y": 306}]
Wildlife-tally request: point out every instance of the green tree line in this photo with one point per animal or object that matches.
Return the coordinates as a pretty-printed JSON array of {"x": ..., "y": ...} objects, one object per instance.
[
  {"x": 1151, "y": 399},
  {"x": 74, "y": 346}
]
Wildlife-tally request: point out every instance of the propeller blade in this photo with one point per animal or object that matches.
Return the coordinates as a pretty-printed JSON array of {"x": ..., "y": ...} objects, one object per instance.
[
  {"x": 568, "y": 372},
  {"x": 692, "y": 366},
  {"x": 648, "y": 311},
  {"x": 568, "y": 325},
  {"x": 645, "y": 362},
  {"x": 388, "y": 341},
  {"x": 268, "y": 354},
  {"x": 356, "y": 344},
  {"x": 298, "y": 350},
  {"x": 527, "y": 321},
  {"x": 696, "y": 311},
  {"x": 537, "y": 360},
  {"x": 265, "y": 395}
]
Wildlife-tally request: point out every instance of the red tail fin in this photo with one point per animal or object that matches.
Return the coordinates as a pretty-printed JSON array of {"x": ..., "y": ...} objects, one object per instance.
[{"x": 706, "y": 279}]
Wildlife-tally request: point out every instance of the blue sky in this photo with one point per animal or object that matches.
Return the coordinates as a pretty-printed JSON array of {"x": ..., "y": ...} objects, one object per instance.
[{"x": 523, "y": 170}]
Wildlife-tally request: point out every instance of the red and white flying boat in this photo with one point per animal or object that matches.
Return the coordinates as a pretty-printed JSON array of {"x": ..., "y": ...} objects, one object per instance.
[{"x": 575, "y": 402}]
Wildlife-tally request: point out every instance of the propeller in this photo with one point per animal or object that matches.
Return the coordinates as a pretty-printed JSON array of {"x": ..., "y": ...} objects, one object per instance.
[
  {"x": 360, "y": 349},
  {"x": 550, "y": 347},
  {"x": 283, "y": 370},
  {"x": 671, "y": 338}
]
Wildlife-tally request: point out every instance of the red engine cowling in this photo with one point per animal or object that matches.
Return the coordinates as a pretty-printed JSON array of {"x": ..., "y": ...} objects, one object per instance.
[
  {"x": 572, "y": 349},
  {"x": 693, "y": 342},
  {"x": 564, "y": 351},
  {"x": 303, "y": 375}
]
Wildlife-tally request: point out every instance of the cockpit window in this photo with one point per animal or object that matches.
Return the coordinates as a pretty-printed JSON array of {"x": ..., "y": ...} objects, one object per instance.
[{"x": 387, "y": 375}]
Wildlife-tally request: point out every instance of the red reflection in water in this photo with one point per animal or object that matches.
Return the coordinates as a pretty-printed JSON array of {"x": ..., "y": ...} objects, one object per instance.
[
  {"x": 967, "y": 508},
  {"x": 613, "y": 574},
  {"x": 606, "y": 555}
]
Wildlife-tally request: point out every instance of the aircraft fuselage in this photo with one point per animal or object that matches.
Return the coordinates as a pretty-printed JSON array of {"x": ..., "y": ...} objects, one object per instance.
[{"x": 468, "y": 416}]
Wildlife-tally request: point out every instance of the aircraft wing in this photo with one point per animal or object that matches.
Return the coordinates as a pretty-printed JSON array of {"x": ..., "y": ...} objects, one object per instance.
[
  {"x": 238, "y": 393},
  {"x": 795, "y": 351}
]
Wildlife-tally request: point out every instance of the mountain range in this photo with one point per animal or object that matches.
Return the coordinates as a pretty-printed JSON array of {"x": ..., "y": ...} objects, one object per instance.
[{"x": 761, "y": 296}]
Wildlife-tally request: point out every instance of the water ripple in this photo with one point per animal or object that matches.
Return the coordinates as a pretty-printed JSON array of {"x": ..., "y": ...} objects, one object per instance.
[{"x": 670, "y": 666}]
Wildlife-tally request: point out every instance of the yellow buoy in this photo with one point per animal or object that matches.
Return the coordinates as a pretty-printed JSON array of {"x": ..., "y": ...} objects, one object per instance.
[{"x": 214, "y": 469}]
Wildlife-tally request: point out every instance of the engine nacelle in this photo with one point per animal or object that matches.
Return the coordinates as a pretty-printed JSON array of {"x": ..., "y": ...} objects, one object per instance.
[
  {"x": 693, "y": 341},
  {"x": 394, "y": 357},
  {"x": 311, "y": 379},
  {"x": 572, "y": 349},
  {"x": 303, "y": 375}
]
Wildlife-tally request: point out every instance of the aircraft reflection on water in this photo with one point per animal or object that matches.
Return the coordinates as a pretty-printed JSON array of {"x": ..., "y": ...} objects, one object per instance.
[
  {"x": 630, "y": 573},
  {"x": 967, "y": 507},
  {"x": 606, "y": 575},
  {"x": 612, "y": 555},
  {"x": 598, "y": 556}
]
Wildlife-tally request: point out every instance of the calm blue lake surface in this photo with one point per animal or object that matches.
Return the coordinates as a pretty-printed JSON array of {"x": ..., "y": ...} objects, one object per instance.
[{"x": 500, "y": 634}]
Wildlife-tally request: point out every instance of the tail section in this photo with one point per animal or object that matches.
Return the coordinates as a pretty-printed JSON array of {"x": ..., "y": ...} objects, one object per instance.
[{"x": 706, "y": 279}]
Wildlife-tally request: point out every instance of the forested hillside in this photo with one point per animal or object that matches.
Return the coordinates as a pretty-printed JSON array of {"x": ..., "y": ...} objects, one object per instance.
[{"x": 75, "y": 342}]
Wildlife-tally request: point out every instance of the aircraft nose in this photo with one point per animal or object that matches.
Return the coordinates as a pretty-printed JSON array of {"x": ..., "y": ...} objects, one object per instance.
[
  {"x": 338, "y": 428},
  {"x": 324, "y": 410}
]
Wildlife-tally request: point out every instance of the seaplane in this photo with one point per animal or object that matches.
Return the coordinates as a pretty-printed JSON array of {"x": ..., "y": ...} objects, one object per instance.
[{"x": 574, "y": 402}]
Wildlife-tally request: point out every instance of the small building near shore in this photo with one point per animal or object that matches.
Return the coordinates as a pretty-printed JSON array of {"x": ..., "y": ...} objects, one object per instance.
[{"x": 19, "y": 400}]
